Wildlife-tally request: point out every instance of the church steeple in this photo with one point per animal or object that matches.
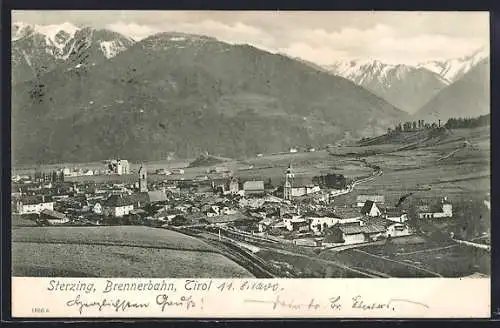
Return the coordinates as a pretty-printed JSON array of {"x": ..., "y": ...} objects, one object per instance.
[
  {"x": 287, "y": 188},
  {"x": 143, "y": 179}
]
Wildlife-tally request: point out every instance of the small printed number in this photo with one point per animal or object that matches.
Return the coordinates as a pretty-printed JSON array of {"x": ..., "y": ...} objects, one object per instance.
[{"x": 39, "y": 310}]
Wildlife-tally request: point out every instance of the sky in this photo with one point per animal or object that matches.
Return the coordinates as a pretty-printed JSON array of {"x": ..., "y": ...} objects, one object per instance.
[{"x": 319, "y": 37}]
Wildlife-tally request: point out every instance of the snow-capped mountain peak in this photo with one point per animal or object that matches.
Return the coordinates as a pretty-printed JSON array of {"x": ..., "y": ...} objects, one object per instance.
[
  {"x": 453, "y": 69},
  {"x": 53, "y": 30}
]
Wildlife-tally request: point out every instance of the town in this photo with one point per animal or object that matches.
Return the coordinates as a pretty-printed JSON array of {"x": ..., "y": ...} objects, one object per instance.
[{"x": 247, "y": 215}]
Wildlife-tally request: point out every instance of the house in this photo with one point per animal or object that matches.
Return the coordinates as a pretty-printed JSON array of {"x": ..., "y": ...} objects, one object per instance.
[
  {"x": 361, "y": 199},
  {"x": 396, "y": 215},
  {"x": 370, "y": 209},
  {"x": 177, "y": 171},
  {"x": 254, "y": 187},
  {"x": 301, "y": 225},
  {"x": 33, "y": 204},
  {"x": 265, "y": 224},
  {"x": 293, "y": 150},
  {"x": 53, "y": 217},
  {"x": 140, "y": 199},
  {"x": 118, "y": 206},
  {"x": 319, "y": 223},
  {"x": 97, "y": 208},
  {"x": 356, "y": 232},
  {"x": 223, "y": 220},
  {"x": 444, "y": 210},
  {"x": 347, "y": 215},
  {"x": 395, "y": 229},
  {"x": 156, "y": 196},
  {"x": 295, "y": 222},
  {"x": 303, "y": 190}
]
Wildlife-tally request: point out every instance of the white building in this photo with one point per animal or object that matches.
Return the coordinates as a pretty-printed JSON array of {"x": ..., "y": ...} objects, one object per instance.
[
  {"x": 118, "y": 206},
  {"x": 53, "y": 217},
  {"x": 370, "y": 208},
  {"x": 444, "y": 211},
  {"x": 33, "y": 205},
  {"x": 396, "y": 215},
  {"x": 397, "y": 230},
  {"x": 320, "y": 223},
  {"x": 97, "y": 209},
  {"x": 122, "y": 167}
]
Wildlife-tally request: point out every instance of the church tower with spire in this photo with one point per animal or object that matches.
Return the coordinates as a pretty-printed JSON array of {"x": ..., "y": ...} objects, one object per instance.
[{"x": 287, "y": 188}]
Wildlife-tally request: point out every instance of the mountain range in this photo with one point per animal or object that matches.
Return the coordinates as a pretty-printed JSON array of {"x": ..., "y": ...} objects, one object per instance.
[
  {"x": 187, "y": 94},
  {"x": 95, "y": 94},
  {"x": 469, "y": 96},
  {"x": 37, "y": 49},
  {"x": 408, "y": 87}
]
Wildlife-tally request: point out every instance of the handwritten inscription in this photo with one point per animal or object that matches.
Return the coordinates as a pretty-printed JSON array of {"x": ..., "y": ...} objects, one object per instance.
[
  {"x": 165, "y": 301},
  {"x": 334, "y": 303},
  {"x": 169, "y": 296},
  {"x": 117, "y": 305}
]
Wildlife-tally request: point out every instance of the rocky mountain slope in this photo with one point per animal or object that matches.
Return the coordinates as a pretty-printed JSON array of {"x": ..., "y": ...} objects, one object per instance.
[
  {"x": 187, "y": 94},
  {"x": 37, "y": 49},
  {"x": 467, "y": 97}
]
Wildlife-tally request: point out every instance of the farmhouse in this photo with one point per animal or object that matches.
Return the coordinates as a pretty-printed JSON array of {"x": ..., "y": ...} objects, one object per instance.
[
  {"x": 118, "y": 206},
  {"x": 445, "y": 210},
  {"x": 361, "y": 199},
  {"x": 396, "y": 215},
  {"x": 53, "y": 217},
  {"x": 370, "y": 209},
  {"x": 33, "y": 204},
  {"x": 355, "y": 233},
  {"x": 366, "y": 230}
]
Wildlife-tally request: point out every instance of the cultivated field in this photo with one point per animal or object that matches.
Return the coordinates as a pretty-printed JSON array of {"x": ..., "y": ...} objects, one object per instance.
[
  {"x": 126, "y": 251},
  {"x": 76, "y": 260}
]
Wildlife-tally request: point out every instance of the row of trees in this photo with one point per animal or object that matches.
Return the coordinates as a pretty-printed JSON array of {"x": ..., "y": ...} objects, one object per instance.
[
  {"x": 452, "y": 123},
  {"x": 331, "y": 180},
  {"x": 462, "y": 123},
  {"x": 411, "y": 126}
]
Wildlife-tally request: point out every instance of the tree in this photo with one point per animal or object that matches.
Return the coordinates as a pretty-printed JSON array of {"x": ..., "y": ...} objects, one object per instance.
[
  {"x": 414, "y": 125},
  {"x": 179, "y": 220}
]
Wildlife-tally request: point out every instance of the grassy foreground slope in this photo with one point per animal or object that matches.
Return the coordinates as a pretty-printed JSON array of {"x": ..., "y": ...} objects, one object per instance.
[{"x": 128, "y": 251}]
